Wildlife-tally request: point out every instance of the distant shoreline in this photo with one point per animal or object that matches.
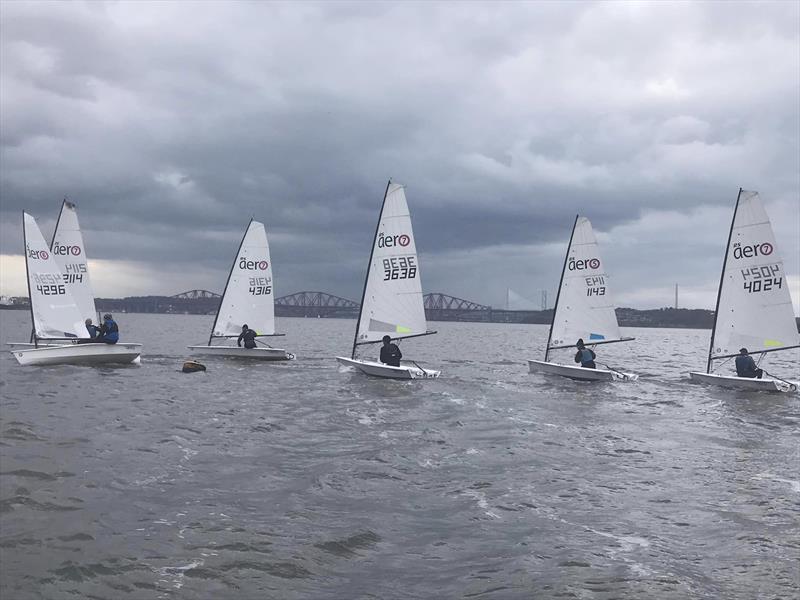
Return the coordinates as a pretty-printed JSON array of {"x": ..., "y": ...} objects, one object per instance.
[{"x": 668, "y": 318}]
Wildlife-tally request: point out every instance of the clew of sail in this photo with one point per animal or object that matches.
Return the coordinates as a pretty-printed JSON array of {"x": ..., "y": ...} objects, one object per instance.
[
  {"x": 584, "y": 308},
  {"x": 754, "y": 307},
  {"x": 248, "y": 297},
  {"x": 54, "y": 311},
  {"x": 393, "y": 303},
  {"x": 70, "y": 254}
]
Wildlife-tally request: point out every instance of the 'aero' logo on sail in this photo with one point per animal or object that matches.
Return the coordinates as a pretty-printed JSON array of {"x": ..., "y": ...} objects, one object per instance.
[
  {"x": 63, "y": 250},
  {"x": 38, "y": 254},
  {"x": 586, "y": 263},
  {"x": 253, "y": 265},
  {"x": 751, "y": 251},
  {"x": 390, "y": 241}
]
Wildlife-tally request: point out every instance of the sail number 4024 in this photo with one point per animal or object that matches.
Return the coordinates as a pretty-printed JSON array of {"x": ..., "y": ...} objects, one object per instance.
[
  {"x": 399, "y": 267},
  {"x": 260, "y": 286},
  {"x": 762, "y": 279}
]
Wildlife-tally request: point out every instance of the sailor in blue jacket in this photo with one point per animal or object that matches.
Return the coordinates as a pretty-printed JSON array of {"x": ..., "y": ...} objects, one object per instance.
[
  {"x": 585, "y": 356},
  {"x": 746, "y": 366},
  {"x": 109, "y": 331}
]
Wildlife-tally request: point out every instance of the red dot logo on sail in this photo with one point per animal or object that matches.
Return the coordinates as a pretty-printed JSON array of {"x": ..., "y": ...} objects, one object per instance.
[
  {"x": 64, "y": 250},
  {"x": 38, "y": 254},
  {"x": 586, "y": 263},
  {"x": 253, "y": 265},
  {"x": 752, "y": 250},
  {"x": 391, "y": 241}
]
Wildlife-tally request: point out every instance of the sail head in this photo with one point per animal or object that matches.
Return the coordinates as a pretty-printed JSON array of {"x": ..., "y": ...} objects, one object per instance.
[
  {"x": 249, "y": 295},
  {"x": 393, "y": 303}
]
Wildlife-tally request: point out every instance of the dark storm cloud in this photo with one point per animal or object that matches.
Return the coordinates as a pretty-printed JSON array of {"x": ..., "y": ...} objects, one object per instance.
[{"x": 171, "y": 124}]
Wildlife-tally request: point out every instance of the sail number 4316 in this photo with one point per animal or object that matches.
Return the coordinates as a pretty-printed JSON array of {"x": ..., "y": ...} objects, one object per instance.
[
  {"x": 762, "y": 279},
  {"x": 260, "y": 286}
]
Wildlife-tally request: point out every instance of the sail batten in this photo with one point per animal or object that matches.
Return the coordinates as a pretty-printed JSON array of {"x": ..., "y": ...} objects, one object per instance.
[
  {"x": 754, "y": 305},
  {"x": 249, "y": 296},
  {"x": 584, "y": 306},
  {"x": 54, "y": 311},
  {"x": 392, "y": 302}
]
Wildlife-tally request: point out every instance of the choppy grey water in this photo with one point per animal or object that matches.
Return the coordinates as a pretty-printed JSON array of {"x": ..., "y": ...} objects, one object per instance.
[{"x": 297, "y": 480}]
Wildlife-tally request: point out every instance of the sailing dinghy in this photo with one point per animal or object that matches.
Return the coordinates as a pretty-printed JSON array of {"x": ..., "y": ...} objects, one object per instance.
[
  {"x": 248, "y": 299},
  {"x": 67, "y": 248},
  {"x": 55, "y": 314},
  {"x": 754, "y": 306},
  {"x": 391, "y": 303},
  {"x": 583, "y": 310}
]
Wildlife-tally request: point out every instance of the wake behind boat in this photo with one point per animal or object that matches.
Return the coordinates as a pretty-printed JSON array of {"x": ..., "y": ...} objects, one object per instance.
[
  {"x": 56, "y": 316},
  {"x": 584, "y": 310},
  {"x": 754, "y": 307},
  {"x": 391, "y": 302},
  {"x": 248, "y": 299}
]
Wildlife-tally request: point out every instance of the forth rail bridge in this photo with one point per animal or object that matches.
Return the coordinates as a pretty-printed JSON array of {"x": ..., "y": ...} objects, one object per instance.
[{"x": 438, "y": 307}]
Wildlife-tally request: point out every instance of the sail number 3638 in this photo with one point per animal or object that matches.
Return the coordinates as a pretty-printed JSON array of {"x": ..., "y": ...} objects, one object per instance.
[
  {"x": 762, "y": 279},
  {"x": 399, "y": 267}
]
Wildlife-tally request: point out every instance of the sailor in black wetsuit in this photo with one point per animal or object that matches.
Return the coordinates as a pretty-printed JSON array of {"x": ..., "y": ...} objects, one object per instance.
[
  {"x": 249, "y": 337},
  {"x": 746, "y": 366},
  {"x": 390, "y": 353},
  {"x": 585, "y": 356}
]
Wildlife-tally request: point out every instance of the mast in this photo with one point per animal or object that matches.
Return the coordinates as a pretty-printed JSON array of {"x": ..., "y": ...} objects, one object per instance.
[
  {"x": 28, "y": 279},
  {"x": 558, "y": 293},
  {"x": 369, "y": 267},
  {"x": 58, "y": 220},
  {"x": 233, "y": 265},
  {"x": 721, "y": 281}
]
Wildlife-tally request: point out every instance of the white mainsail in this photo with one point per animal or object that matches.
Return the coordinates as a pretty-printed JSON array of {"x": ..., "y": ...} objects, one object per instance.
[
  {"x": 392, "y": 303},
  {"x": 584, "y": 307},
  {"x": 55, "y": 313},
  {"x": 70, "y": 254},
  {"x": 248, "y": 297},
  {"x": 754, "y": 308}
]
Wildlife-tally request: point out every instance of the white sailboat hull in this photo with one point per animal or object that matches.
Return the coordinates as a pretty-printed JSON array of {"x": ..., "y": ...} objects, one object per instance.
[
  {"x": 79, "y": 354},
  {"x": 579, "y": 373},
  {"x": 377, "y": 369},
  {"x": 259, "y": 353},
  {"x": 744, "y": 383}
]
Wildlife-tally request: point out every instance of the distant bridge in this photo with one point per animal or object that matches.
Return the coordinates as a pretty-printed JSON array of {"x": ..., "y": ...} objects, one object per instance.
[
  {"x": 315, "y": 304},
  {"x": 438, "y": 306},
  {"x": 194, "y": 294}
]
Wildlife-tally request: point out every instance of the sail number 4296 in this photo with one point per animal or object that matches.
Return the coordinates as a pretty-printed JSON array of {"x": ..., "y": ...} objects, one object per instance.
[
  {"x": 399, "y": 267},
  {"x": 762, "y": 279}
]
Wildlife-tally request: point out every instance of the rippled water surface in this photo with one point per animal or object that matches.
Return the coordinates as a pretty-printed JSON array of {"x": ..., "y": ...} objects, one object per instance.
[{"x": 298, "y": 480}]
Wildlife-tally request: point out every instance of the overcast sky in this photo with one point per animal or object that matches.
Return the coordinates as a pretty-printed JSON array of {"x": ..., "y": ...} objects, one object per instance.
[{"x": 171, "y": 124}]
